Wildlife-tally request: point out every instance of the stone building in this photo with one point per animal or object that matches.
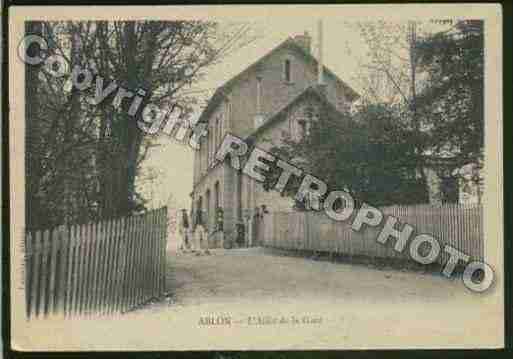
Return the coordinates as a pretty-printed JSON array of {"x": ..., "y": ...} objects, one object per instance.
[{"x": 276, "y": 96}]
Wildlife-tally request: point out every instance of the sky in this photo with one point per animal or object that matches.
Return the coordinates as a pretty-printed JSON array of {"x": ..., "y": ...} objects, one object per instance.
[
  {"x": 343, "y": 51},
  {"x": 172, "y": 163}
]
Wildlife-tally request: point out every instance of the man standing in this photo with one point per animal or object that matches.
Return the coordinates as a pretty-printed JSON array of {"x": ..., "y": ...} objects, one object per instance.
[{"x": 183, "y": 231}]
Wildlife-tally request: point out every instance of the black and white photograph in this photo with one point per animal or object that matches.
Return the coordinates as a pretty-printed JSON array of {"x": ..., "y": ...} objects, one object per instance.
[{"x": 264, "y": 177}]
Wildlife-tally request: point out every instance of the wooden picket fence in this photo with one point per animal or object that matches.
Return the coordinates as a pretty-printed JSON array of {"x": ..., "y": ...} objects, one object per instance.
[
  {"x": 460, "y": 226},
  {"x": 96, "y": 268}
]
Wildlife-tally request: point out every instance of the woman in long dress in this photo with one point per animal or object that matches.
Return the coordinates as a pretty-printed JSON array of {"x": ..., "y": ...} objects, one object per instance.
[{"x": 200, "y": 235}]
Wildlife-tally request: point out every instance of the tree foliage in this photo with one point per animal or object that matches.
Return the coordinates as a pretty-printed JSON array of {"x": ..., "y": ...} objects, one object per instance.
[
  {"x": 452, "y": 101},
  {"x": 368, "y": 154},
  {"x": 83, "y": 158},
  {"x": 422, "y": 108}
]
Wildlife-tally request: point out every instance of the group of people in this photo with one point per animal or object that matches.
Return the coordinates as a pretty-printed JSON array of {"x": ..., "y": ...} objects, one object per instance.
[
  {"x": 193, "y": 236},
  {"x": 191, "y": 241}
]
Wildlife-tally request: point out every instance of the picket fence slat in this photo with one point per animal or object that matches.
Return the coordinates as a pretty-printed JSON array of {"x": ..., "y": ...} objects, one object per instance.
[
  {"x": 54, "y": 248},
  {"x": 88, "y": 267},
  {"x": 28, "y": 272},
  {"x": 102, "y": 268},
  {"x": 69, "y": 275}
]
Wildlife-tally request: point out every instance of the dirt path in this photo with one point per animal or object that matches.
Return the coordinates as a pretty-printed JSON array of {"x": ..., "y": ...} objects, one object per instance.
[
  {"x": 325, "y": 305},
  {"x": 255, "y": 274}
]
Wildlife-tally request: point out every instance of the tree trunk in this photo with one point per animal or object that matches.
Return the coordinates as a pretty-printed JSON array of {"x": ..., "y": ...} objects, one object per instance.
[{"x": 33, "y": 156}]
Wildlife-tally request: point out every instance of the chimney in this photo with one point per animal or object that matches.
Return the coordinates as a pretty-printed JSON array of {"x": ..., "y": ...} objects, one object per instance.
[
  {"x": 320, "y": 64},
  {"x": 304, "y": 41}
]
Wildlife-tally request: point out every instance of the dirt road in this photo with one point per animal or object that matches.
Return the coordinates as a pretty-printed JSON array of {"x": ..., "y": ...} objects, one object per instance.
[
  {"x": 231, "y": 276},
  {"x": 267, "y": 301}
]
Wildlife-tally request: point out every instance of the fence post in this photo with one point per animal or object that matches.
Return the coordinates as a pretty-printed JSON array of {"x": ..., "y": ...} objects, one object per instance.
[
  {"x": 83, "y": 269},
  {"x": 33, "y": 271},
  {"x": 96, "y": 268},
  {"x": 89, "y": 230},
  {"x": 107, "y": 228},
  {"x": 95, "y": 254},
  {"x": 63, "y": 241},
  {"x": 149, "y": 255},
  {"x": 113, "y": 268},
  {"x": 70, "y": 280},
  {"x": 163, "y": 242},
  {"x": 100, "y": 248},
  {"x": 130, "y": 259},
  {"x": 126, "y": 263},
  {"x": 28, "y": 273},
  {"x": 121, "y": 253},
  {"x": 133, "y": 270},
  {"x": 45, "y": 271},
  {"x": 156, "y": 256}
]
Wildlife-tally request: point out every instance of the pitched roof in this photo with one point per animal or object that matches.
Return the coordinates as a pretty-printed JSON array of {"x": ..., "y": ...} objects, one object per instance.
[
  {"x": 313, "y": 90},
  {"x": 221, "y": 91}
]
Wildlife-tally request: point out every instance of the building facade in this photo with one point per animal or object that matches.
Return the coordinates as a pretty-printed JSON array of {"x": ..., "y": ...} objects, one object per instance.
[{"x": 276, "y": 96}]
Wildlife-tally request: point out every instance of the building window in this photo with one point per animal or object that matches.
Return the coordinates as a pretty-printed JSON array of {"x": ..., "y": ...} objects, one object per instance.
[
  {"x": 218, "y": 134},
  {"x": 204, "y": 153},
  {"x": 259, "y": 95},
  {"x": 217, "y": 195},
  {"x": 211, "y": 143},
  {"x": 214, "y": 139},
  {"x": 309, "y": 113},
  {"x": 228, "y": 114},
  {"x": 303, "y": 128},
  {"x": 209, "y": 133},
  {"x": 286, "y": 71},
  {"x": 207, "y": 210},
  {"x": 199, "y": 211}
]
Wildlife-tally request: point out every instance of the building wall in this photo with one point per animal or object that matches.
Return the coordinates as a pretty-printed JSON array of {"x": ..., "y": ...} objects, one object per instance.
[
  {"x": 273, "y": 136},
  {"x": 218, "y": 126},
  {"x": 237, "y": 117},
  {"x": 276, "y": 93},
  {"x": 208, "y": 185},
  {"x": 468, "y": 191}
]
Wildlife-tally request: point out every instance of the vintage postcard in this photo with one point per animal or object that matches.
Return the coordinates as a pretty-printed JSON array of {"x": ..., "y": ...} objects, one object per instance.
[{"x": 256, "y": 177}]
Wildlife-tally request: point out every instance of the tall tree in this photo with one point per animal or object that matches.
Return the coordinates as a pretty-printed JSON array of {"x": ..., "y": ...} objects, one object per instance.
[
  {"x": 453, "y": 98},
  {"x": 34, "y": 150},
  {"x": 369, "y": 154},
  {"x": 430, "y": 116},
  {"x": 437, "y": 78},
  {"x": 86, "y": 155}
]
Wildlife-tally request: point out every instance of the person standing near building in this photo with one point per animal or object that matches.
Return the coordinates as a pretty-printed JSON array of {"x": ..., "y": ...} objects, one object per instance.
[
  {"x": 183, "y": 231},
  {"x": 200, "y": 235},
  {"x": 256, "y": 223}
]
